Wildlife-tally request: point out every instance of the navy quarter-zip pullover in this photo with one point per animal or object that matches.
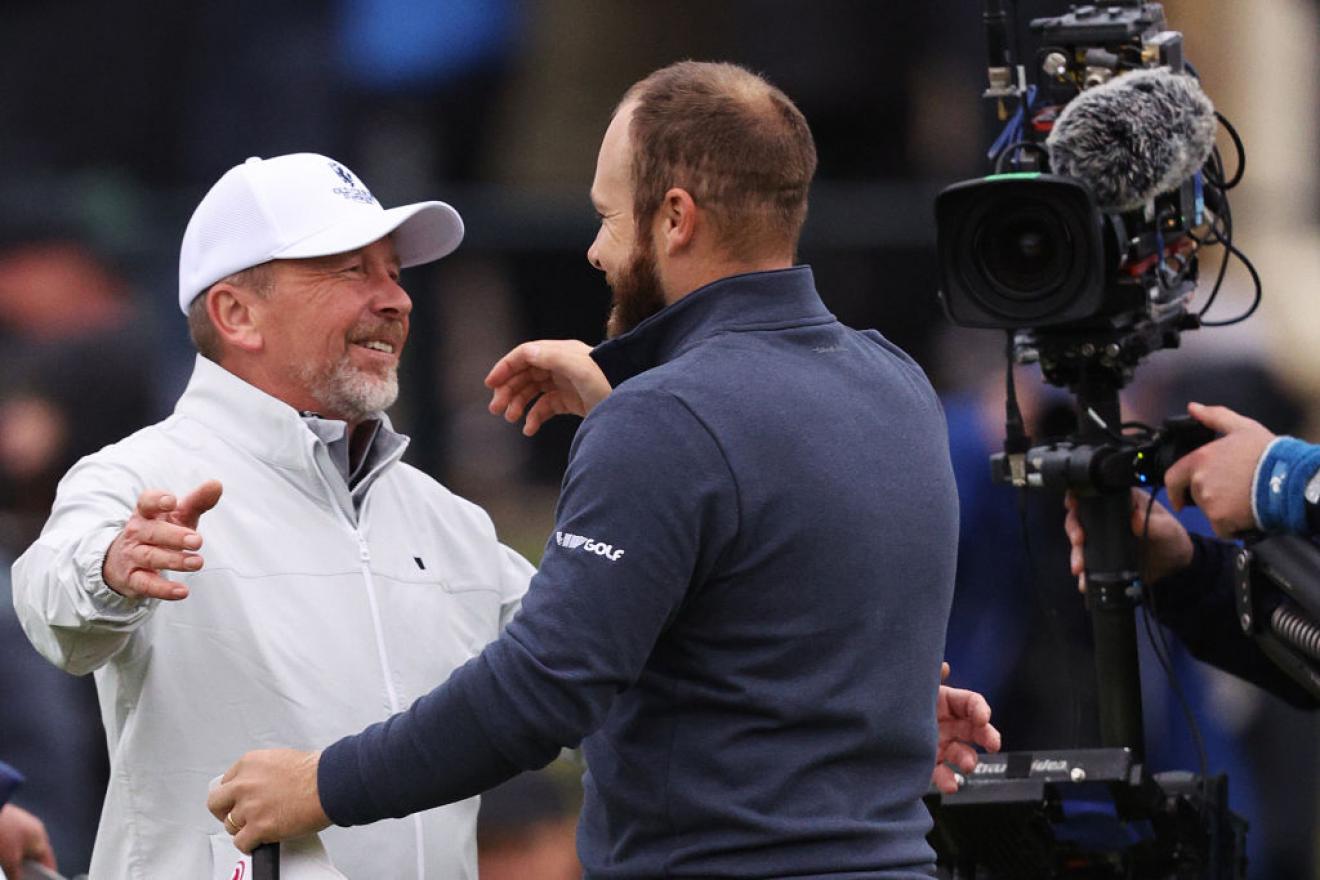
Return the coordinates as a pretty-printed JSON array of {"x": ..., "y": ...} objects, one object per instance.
[{"x": 740, "y": 615}]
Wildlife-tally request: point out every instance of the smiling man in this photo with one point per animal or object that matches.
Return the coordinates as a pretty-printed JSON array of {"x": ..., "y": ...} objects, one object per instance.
[
  {"x": 339, "y": 584},
  {"x": 741, "y": 613}
]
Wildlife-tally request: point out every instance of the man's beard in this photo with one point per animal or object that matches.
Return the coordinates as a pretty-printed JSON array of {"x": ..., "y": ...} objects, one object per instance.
[
  {"x": 349, "y": 392},
  {"x": 637, "y": 292}
]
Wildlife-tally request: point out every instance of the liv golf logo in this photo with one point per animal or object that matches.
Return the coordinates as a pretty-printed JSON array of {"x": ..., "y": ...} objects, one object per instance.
[{"x": 570, "y": 541}]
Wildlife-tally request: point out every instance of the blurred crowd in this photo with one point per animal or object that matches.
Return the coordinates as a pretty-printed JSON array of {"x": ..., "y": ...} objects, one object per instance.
[{"x": 117, "y": 116}]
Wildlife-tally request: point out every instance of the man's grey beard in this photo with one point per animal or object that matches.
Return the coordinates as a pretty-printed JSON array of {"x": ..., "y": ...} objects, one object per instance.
[{"x": 350, "y": 393}]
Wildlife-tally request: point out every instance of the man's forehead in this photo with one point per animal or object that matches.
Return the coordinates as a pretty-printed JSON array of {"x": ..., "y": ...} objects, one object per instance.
[{"x": 613, "y": 164}]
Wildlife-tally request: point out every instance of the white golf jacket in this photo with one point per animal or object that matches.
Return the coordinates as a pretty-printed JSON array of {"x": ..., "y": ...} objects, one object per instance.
[{"x": 309, "y": 621}]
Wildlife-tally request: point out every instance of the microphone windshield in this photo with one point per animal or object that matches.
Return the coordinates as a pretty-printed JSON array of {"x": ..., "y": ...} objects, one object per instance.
[{"x": 1134, "y": 137}]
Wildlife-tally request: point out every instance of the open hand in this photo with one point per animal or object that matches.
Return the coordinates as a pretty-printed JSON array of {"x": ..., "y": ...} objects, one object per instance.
[
  {"x": 964, "y": 722},
  {"x": 161, "y": 535},
  {"x": 558, "y": 374}
]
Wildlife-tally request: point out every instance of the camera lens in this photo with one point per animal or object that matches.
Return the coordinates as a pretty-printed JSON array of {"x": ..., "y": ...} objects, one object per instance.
[{"x": 1023, "y": 251}]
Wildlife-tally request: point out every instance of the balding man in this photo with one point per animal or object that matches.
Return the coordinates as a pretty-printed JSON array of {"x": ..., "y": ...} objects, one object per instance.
[{"x": 339, "y": 583}]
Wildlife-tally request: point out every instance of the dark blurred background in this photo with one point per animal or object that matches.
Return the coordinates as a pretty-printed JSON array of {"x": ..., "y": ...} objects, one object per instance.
[{"x": 117, "y": 115}]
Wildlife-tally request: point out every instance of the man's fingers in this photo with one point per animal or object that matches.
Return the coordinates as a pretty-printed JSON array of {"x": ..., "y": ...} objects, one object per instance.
[
  {"x": 155, "y": 502},
  {"x": 1177, "y": 479},
  {"x": 1072, "y": 526},
  {"x": 220, "y": 800},
  {"x": 967, "y": 705},
  {"x": 1218, "y": 418},
  {"x": 518, "y": 402},
  {"x": 42, "y": 854},
  {"x": 506, "y": 367},
  {"x": 944, "y": 780},
  {"x": 988, "y": 738},
  {"x": 546, "y": 408},
  {"x": 162, "y": 559},
  {"x": 248, "y": 838},
  {"x": 160, "y": 533},
  {"x": 944, "y": 671},
  {"x": 960, "y": 755},
  {"x": 503, "y": 393},
  {"x": 142, "y": 582},
  {"x": 198, "y": 502}
]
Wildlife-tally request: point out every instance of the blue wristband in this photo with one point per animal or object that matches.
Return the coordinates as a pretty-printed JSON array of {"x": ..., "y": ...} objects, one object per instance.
[{"x": 1281, "y": 478}]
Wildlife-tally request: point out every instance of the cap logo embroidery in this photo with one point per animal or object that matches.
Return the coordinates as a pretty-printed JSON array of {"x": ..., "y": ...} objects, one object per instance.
[
  {"x": 343, "y": 173},
  {"x": 354, "y": 191}
]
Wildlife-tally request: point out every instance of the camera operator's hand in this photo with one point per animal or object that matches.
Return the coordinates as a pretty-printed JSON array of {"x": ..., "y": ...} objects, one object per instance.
[
  {"x": 1218, "y": 476},
  {"x": 1168, "y": 548}
]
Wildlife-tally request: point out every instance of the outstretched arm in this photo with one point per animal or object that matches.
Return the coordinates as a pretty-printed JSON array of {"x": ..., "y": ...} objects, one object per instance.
[{"x": 92, "y": 578}]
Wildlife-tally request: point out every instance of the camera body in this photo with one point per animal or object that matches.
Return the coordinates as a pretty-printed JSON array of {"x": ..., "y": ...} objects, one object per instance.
[{"x": 1035, "y": 249}]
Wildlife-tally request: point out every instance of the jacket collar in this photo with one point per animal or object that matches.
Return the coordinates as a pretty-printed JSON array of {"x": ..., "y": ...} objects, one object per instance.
[
  {"x": 752, "y": 301},
  {"x": 253, "y": 420}
]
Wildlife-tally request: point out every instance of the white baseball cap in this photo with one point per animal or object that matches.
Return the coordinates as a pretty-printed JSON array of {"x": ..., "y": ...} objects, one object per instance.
[{"x": 296, "y": 206}]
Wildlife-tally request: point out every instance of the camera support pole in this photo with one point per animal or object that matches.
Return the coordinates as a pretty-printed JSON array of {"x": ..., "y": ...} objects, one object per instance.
[{"x": 1111, "y": 574}]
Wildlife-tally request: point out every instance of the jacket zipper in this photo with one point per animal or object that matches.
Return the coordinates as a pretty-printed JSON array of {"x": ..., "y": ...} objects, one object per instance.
[
  {"x": 364, "y": 558},
  {"x": 364, "y": 555}
]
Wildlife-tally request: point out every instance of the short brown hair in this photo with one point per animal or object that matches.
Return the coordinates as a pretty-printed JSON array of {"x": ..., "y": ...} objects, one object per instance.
[
  {"x": 736, "y": 143},
  {"x": 205, "y": 338}
]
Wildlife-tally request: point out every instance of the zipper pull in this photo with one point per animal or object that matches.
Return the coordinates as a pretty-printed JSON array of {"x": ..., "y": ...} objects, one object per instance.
[{"x": 364, "y": 552}]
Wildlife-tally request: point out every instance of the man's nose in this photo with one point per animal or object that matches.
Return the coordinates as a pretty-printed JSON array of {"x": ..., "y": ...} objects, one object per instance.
[{"x": 392, "y": 299}]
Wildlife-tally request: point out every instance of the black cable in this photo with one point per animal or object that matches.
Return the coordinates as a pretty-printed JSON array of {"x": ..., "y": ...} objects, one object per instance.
[
  {"x": 1213, "y": 173},
  {"x": 1016, "y": 440},
  {"x": 1159, "y": 645},
  {"x": 1238, "y": 145},
  {"x": 1223, "y": 229},
  {"x": 1014, "y": 148},
  {"x": 1256, "y": 282}
]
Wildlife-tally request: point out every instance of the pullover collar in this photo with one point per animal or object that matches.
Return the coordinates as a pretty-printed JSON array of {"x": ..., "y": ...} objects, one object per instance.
[{"x": 770, "y": 300}]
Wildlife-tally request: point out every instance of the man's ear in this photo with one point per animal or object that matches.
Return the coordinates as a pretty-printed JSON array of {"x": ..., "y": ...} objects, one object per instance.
[
  {"x": 234, "y": 313},
  {"x": 678, "y": 220}
]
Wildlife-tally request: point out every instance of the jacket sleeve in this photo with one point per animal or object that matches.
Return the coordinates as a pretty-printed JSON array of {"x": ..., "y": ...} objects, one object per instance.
[
  {"x": 515, "y": 575},
  {"x": 647, "y": 504},
  {"x": 1198, "y": 604},
  {"x": 64, "y": 606}
]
